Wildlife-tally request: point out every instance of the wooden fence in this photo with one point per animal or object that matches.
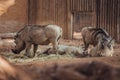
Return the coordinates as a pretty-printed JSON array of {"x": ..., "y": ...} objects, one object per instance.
[
  {"x": 108, "y": 16},
  {"x": 48, "y": 12},
  {"x": 82, "y": 5},
  {"x": 104, "y": 13}
]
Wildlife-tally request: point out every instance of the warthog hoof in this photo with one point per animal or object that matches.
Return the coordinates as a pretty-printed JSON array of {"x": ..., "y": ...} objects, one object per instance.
[{"x": 29, "y": 55}]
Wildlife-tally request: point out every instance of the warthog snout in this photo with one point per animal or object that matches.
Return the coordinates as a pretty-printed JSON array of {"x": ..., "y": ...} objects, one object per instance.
[{"x": 15, "y": 51}]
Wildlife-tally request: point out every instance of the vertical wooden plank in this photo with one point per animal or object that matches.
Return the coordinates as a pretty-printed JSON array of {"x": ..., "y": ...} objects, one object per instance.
[
  {"x": 118, "y": 21},
  {"x": 87, "y": 8},
  {"x": 112, "y": 26},
  {"x": 55, "y": 11},
  {"x": 69, "y": 22},
  {"x": 115, "y": 19},
  {"x": 80, "y": 5},
  {"x": 84, "y": 6},
  {"x": 72, "y": 4},
  {"x": 40, "y": 14},
  {"x": 101, "y": 11},
  {"x": 92, "y": 4},
  {"x": 28, "y": 12},
  {"x": 94, "y": 13},
  {"x": 98, "y": 13},
  {"x": 59, "y": 12},
  {"x": 66, "y": 16},
  {"x": 105, "y": 13},
  {"x": 109, "y": 17}
]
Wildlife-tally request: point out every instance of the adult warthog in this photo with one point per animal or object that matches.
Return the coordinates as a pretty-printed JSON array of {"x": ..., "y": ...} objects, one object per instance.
[
  {"x": 100, "y": 39},
  {"x": 36, "y": 35}
]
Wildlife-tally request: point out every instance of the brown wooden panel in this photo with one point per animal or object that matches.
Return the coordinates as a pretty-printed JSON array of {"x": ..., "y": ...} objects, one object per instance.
[
  {"x": 82, "y": 5},
  {"x": 82, "y": 19},
  {"x": 105, "y": 14},
  {"x": 107, "y": 11},
  {"x": 52, "y": 12}
]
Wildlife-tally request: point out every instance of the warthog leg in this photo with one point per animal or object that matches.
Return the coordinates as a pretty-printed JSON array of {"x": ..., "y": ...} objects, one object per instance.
[
  {"x": 28, "y": 47},
  {"x": 86, "y": 46},
  {"x": 55, "y": 45},
  {"x": 35, "y": 49}
]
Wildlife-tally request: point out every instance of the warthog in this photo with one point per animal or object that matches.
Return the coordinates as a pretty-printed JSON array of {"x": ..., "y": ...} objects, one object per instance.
[
  {"x": 100, "y": 39},
  {"x": 66, "y": 49},
  {"x": 36, "y": 35},
  {"x": 70, "y": 49}
]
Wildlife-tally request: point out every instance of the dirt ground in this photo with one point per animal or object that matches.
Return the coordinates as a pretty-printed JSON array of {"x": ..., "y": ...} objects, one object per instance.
[
  {"x": 41, "y": 67},
  {"x": 46, "y": 59}
]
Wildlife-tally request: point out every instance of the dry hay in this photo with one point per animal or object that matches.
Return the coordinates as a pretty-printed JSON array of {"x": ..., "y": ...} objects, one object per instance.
[
  {"x": 20, "y": 58},
  {"x": 41, "y": 55}
]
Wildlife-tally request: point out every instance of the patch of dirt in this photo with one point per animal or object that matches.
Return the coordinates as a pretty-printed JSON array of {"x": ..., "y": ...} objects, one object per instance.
[
  {"x": 67, "y": 67},
  {"x": 75, "y": 69},
  {"x": 8, "y": 44}
]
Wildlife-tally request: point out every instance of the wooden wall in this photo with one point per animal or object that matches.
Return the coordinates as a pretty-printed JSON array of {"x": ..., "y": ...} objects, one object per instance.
[
  {"x": 108, "y": 16},
  {"x": 83, "y": 12},
  {"x": 104, "y": 13},
  {"x": 49, "y": 12},
  {"x": 101, "y": 13},
  {"x": 82, "y": 5},
  {"x": 58, "y": 12}
]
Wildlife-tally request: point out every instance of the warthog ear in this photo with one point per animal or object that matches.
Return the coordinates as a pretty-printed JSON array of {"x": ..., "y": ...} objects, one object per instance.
[
  {"x": 17, "y": 35},
  {"x": 112, "y": 41}
]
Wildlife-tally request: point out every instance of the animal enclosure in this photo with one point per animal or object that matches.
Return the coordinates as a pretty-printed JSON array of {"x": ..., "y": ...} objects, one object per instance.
[
  {"x": 68, "y": 60},
  {"x": 71, "y": 15}
]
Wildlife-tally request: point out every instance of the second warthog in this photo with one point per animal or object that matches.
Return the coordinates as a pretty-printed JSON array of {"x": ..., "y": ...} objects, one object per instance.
[
  {"x": 100, "y": 39},
  {"x": 67, "y": 49},
  {"x": 36, "y": 35}
]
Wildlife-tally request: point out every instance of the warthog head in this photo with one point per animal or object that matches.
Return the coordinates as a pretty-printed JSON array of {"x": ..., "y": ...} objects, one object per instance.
[
  {"x": 20, "y": 44},
  {"x": 103, "y": 48},
  {"x": 107, "y": 47}
]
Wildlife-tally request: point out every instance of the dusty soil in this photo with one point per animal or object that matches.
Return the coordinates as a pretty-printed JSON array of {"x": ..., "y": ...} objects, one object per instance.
[
  {"x": 41, "y": 66},
  {"x": 5, "y": 50}
]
